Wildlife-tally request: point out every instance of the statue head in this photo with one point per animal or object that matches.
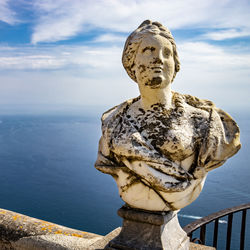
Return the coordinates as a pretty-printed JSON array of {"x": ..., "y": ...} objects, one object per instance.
[{"x": 134, "y": 40}]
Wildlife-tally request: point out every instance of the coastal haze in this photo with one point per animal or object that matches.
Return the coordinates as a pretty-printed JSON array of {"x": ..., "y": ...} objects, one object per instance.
[{"x": 60, "y": 69}]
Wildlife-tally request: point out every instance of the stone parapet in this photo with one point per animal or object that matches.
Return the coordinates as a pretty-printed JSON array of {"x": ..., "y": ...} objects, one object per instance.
[
  {"x": 21, "y": 232},
  {"x": 18, "y": 231}
]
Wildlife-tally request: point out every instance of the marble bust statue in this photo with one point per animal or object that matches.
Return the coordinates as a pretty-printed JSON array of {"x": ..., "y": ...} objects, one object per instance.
[{"x": 160, "y": 146}]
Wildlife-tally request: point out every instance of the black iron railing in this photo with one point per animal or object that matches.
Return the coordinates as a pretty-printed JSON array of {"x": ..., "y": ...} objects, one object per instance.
[{"x": 214, "y": 218}]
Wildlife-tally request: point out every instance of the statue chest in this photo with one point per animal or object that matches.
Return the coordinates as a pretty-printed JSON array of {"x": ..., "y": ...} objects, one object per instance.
[
  {"x": 175, "y": 135},
  {"x": 172, "y": 136}
]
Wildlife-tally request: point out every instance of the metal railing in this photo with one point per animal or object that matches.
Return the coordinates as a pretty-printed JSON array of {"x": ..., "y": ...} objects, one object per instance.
[{"x": 214, "y": 218}]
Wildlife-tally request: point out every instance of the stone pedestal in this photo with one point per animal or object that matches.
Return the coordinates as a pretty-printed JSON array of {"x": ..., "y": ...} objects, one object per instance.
[{"x": 143, "y": 230}]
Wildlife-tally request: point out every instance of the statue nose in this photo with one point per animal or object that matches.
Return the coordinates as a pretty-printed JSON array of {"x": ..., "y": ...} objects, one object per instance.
[{"x": 158, "y": 60}]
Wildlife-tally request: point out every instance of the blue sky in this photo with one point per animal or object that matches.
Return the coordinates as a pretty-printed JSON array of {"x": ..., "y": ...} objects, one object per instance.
[{"x": 59, "y": 53}]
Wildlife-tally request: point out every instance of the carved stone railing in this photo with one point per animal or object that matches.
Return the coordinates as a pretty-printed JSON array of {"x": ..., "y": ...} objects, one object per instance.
[
  {"x": 18, "y": 231},
  {"x": 21, "y": 232},
  {"x": 214, "y": 218}
]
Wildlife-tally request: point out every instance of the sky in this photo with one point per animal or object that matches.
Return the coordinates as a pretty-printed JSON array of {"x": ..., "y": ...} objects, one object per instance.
[{"x": 59, "y": 54}]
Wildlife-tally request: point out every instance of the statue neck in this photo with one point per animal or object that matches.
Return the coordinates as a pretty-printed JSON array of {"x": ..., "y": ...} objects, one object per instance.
[{"x": 150, "y": 97}]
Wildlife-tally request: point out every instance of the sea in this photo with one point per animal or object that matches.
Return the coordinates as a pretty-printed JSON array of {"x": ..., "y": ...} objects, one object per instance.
[{"x": 47, "y": 171}]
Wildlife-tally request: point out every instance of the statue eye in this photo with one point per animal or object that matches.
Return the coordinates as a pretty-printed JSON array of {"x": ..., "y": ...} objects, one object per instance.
[
  {"x": 148, "y": 50},
  {"x": 167, "y": 52}
]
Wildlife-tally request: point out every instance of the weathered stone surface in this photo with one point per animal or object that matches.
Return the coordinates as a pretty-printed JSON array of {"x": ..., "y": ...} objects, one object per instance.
[
  {"x": 143, "y": 230},
  {"x": 18, "y": 232},
  {"x": 194, "y": 246},
  {"x": 104, "y": 241},
  {"x": 160, "y": 146},
  {"x": 53, "y": 241}
]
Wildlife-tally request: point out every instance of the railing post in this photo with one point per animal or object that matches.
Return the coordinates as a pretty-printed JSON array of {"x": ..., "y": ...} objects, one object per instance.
[
  {"x": 203, "y": 234},
  {"x": 229, "y": 230},
  {"x": 215, "y": 238},
  {"x": 243, "y": 228}
]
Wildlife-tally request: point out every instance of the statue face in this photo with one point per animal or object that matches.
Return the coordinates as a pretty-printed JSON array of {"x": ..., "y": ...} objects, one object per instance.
[{"x": 154, "y": 62}]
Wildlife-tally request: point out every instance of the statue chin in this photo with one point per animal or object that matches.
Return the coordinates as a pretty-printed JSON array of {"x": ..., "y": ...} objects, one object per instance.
[
  {"x": 155, "y": 83},
  {"x": 140, "y": 196}
]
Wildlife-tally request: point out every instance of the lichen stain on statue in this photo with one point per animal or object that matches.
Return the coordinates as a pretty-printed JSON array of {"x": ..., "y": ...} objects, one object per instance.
[{"x": 160, "y": 146}]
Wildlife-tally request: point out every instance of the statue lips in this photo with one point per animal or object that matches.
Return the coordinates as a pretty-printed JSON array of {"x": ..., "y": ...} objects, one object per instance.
[{"x": 157, "y": 69}]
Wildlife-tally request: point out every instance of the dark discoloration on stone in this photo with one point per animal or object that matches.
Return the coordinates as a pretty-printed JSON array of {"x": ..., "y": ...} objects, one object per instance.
[
  {"x": 148, "y": 48},
  {"x": 157, "y": 123},
  {"x": 154, "y": 83},
  {"x": 166, "y": 136}
]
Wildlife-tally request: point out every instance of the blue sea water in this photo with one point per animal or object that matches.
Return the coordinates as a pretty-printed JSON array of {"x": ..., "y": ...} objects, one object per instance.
[{"x": 47, "y": 171}]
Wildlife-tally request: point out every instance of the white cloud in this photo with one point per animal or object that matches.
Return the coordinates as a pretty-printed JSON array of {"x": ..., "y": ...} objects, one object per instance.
[
  {"x": 214, "y": 73},
  {"x": 226, "y": 34},
  {"x": 6, "y": 14},
  {"x": 111, "y": 38},
  {"x": 30, "y": 62},
  {"x": 59, "y": 57},
  {"x": 211, "y": 57},
  {"x": 94, "y": 75},
  {"x": 62, "y": 19},
  {"x": 103, "y": 88},
  {"x": 192, "y": 54}
]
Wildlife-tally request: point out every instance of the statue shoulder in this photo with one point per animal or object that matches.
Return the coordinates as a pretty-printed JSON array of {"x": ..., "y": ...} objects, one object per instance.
[
  {"x": 196, "y": 102},
  {"x": 215, "y": 116},
  {"x": 210, "y": 107},
  {"x": 117, "y": 110},
  {"x": 193, "y": 107},
  {"x": 109, "y": 113}
]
